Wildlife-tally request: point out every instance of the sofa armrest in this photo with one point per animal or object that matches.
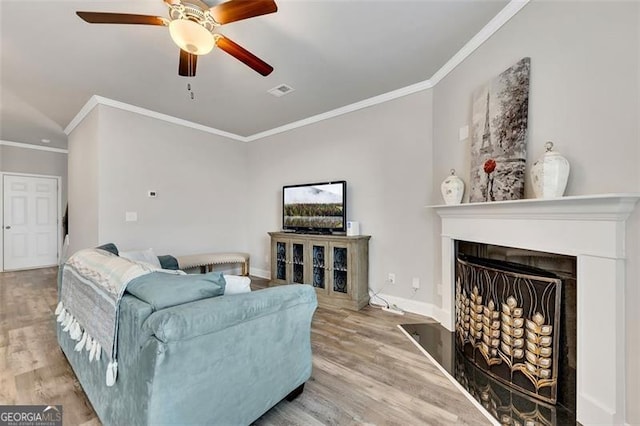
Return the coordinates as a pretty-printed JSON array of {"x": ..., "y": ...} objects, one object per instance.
[{"x": 207, "y": 316}]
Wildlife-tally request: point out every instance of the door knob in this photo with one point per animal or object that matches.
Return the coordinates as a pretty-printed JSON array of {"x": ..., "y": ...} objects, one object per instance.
[{"x": 7, "y": 227}]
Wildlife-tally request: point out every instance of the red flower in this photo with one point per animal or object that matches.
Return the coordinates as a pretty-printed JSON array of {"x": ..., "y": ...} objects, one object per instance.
[{"x": 489, "y": 166}]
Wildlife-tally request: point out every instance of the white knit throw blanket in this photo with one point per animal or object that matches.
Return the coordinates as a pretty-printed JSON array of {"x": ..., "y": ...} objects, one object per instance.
[{"x": 93, "y": 282}]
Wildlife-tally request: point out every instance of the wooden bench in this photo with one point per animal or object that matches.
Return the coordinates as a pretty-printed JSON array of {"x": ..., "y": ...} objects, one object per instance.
[{"x": 206, "y": 261}]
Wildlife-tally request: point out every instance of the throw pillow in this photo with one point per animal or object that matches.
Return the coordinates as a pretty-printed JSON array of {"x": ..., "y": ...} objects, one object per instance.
[
  {"x": 110, "y": 247},
  {"x": 168, "y": 262},
  {"x": 237, "y": 284},
  {"x": 147, "y": 256}
]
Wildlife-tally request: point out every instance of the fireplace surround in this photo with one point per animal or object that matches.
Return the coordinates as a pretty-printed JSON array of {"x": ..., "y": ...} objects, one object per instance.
[{"x": 591, "y": 228}]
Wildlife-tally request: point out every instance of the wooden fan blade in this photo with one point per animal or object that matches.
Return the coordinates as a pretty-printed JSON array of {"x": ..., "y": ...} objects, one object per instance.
[
  {"x": 243, "y": 55},
  {"x": 187, "y": 66},
  {"x": 120, "y": 18},
  {"x": 236, "y": 10}
]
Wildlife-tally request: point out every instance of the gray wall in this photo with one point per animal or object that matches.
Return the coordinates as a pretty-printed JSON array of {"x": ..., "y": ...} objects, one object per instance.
[
  {"x": 384, "y": 154},
  {"x": 584, "y": 96},
  {"x": 83, "y": 183},
  {"x": 24, "y": 160},
  {"x": 633, "y": 270},
  {"x": 201, "y": 180}
]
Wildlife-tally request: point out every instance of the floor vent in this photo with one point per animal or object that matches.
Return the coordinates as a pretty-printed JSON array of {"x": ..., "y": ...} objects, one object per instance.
[{"x": 281, "y": 90}]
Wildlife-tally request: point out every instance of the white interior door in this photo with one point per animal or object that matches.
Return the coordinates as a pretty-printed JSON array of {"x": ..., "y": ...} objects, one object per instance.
[{"x": 30, "y": 221}]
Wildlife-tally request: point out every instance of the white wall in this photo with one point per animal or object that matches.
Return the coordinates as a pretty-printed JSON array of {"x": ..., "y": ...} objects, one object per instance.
[
  {"x": 584, "y": 96},
  {"x": 116, "y": 156},
  {"x": 384, "y": 154}
]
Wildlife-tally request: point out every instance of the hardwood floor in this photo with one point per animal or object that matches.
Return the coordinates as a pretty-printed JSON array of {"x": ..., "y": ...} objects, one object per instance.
[{"x": 365, "y": 371}]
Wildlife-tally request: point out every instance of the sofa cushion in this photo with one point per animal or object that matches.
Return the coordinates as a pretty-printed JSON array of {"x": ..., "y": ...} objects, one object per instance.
[{"x": 162, "y": 290}]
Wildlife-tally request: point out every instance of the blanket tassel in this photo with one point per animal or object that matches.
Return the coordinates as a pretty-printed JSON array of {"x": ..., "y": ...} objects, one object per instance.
[
  {"x": 76, "y": 331},
  {"x": 112, "y": 373},
  {"x": 67, "y": 323},
  {"x": 92, "y": 354},
  {"x": 81, "y": 343}
]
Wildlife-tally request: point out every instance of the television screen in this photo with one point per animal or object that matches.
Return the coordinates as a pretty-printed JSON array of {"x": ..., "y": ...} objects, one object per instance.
[{"x": 315, "y": 207}]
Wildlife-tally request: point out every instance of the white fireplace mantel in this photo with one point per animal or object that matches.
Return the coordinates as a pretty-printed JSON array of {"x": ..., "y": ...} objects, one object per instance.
[{"x": 592, "y": 228}]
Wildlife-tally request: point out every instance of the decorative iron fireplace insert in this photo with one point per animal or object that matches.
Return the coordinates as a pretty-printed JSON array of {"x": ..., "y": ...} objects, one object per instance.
[{"x": 507, "y": 322}]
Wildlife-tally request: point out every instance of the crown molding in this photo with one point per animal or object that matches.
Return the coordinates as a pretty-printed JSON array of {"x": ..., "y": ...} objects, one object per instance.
[
  {"x": 509, "y": 11},
  {"x": 385, "y": 97},
  {"x": 84, "y": 111},
  {"x": 32, "y": 146},
  {"x": 96, "y": 100}
]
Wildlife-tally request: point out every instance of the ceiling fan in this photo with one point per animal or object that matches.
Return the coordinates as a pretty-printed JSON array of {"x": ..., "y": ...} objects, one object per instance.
[{"x": 193, "y": 27}]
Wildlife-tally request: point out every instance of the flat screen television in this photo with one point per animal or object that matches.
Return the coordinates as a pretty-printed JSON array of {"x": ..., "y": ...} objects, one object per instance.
[{"x": 315, "y": 207}]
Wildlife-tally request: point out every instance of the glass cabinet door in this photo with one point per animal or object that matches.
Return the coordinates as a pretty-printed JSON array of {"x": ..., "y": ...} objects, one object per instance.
[
  {"x": 297, "y": 262},
  {"x": 339, "y": 269},
  {"x": 281, "y": 261},
  {"x": 319, "y": 266}
]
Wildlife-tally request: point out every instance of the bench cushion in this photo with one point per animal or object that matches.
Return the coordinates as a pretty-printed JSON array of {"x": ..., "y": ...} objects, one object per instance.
[{"x": 194, "y": 260}]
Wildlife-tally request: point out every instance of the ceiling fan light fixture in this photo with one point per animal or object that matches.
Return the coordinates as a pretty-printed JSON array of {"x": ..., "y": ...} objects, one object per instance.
[{"x": 191, "y": 37}]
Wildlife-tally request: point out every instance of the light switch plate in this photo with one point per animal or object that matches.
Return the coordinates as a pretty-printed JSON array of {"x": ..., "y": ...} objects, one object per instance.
[
  {"x": 131, "y": 216},
  {"x": 463, "y": 133}
]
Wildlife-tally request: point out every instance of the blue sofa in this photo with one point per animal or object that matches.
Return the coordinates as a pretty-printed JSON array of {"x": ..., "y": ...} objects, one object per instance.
[{"x": 222, "y": 360}]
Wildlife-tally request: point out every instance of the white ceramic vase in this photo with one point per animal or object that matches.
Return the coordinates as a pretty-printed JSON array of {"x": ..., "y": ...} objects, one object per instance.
[
  {"x": 549, "y": 174},
  {"x": 452, "y": 189}
]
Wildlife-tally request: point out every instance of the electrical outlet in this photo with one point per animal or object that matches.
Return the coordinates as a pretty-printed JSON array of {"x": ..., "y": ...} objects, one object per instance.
[
  {"x": 416, "y": 283},
  {"x": 391, "y": 278}
]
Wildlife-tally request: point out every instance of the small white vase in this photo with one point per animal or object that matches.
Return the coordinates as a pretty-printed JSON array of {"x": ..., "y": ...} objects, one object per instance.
[
  {"x": 549, "y": 174},
  {"x": 452, "y": 189}
]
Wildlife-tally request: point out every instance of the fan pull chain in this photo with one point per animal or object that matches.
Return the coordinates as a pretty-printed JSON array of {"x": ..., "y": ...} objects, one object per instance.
[{"x": 191, "y": 94}]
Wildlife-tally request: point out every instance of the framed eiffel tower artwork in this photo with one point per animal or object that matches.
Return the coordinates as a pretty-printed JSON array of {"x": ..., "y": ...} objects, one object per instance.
[{"x": 499, "y": 134}]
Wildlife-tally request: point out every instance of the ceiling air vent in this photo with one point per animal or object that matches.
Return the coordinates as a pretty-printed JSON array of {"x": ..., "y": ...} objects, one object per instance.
[{"x": 281, "y": 90}]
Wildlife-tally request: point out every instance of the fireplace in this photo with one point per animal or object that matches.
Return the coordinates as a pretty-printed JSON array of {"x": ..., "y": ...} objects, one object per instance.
[{"x": 589, "y": 228}]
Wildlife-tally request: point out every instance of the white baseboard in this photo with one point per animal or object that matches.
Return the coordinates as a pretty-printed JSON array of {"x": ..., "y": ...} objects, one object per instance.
[
  {"x": 260, "y": 273},
  {"x": 414, "y": 306},
  {"x": 439, "y": 314}
]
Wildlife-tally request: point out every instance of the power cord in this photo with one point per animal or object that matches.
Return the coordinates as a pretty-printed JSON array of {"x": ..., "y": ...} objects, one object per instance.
[
  {"x": 386, "y": 306},
  {"x": 374, "y": 295}
]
